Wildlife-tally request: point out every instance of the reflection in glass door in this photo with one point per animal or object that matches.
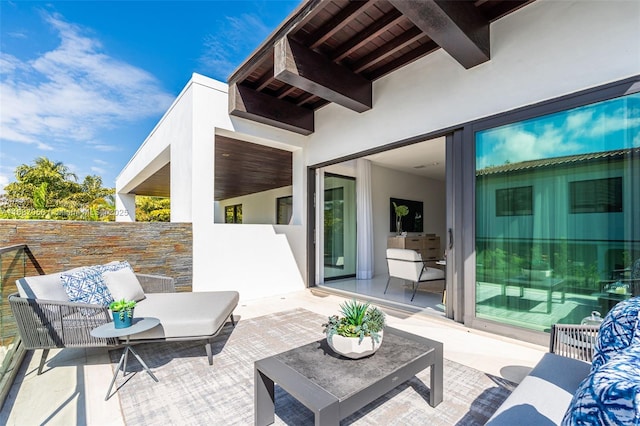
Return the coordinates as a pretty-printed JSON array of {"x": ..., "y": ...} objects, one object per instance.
[{"x": 339, "y": 226}]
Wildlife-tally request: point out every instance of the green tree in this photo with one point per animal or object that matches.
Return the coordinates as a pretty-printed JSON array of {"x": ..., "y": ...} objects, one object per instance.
[
  {"x": 153, "y": 209},
  {"x": 60, "y": 183}
]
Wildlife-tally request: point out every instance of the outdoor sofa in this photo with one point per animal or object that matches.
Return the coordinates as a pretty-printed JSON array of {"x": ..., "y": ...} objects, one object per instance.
[
  {"x": 59, "y": 310},
  {"x": 589, "y": 376}
]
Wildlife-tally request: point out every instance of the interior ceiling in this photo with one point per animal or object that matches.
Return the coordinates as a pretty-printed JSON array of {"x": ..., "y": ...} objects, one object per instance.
[
  {"x": 426, "y": 159},
  {"x": 332, "y": 50}
]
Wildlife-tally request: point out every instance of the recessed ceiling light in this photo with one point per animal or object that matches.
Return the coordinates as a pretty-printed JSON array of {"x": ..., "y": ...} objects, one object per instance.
[{"x": 226, "y": 155}]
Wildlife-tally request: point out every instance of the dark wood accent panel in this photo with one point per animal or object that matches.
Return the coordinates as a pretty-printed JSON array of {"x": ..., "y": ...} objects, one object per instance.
[
  {"x": 312, "y": 72},
  {"x": 458, "y": 27},
  {"x": 243, "y": 168},
  {"x": 157, "y": 185},
  {"x": 247, "y": 103},
  {"x": 151, "y": 248}
]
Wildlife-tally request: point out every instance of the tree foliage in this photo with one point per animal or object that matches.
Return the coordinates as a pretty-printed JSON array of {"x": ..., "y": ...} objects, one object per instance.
[{"x": 49, "y": 190}]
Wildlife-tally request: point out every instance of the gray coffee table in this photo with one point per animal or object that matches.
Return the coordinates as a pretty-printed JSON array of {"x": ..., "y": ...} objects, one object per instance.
[
  {"x": 108, "y": 330},
  {"x": 334, "y": 387}
]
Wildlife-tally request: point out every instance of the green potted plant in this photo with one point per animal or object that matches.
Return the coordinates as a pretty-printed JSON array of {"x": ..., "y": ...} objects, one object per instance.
[
  {"x": 122, "y": 311},
  {"x": 358, "y": 332},
  {"x": 401, "y": 211}
]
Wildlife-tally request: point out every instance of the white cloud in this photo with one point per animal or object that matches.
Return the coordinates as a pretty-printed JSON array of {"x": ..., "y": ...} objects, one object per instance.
[
  {"x": 238, "y": 37},
  {"x": 514, "y": 144},
  {"x": 73, "y": 92},
  {"x": 105, "y": 148},
  {"x": 98, "y": 170},
  {"x": 4, "y": 181}
]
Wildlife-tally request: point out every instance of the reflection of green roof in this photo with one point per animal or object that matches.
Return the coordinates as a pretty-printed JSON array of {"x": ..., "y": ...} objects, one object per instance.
[{"x": 555, "y": 161}]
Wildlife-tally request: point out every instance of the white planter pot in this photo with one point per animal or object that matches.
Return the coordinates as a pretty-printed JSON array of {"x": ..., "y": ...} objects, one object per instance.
[{"x": 351, "y": 347}]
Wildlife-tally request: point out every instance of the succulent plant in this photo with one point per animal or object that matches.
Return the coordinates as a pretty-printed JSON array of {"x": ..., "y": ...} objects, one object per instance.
[
  {"x": 357, "y": 320},
  {"x": 124, "y": 307}
]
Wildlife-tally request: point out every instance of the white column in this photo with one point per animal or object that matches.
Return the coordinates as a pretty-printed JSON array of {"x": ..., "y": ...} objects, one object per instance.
[{"x": 125, "y": 207}]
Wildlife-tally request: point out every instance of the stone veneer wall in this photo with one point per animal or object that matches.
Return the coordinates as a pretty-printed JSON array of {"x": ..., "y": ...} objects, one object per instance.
[{"x": 151, "y": 248}]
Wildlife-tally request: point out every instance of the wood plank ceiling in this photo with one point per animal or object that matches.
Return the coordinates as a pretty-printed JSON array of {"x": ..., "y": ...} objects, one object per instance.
[
  {"x": 332, "y": 51},
  {"x": 241, "y": 168}
]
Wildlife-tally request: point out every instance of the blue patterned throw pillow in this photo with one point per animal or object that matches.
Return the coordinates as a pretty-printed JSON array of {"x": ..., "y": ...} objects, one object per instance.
[
  {"x": 617, "y": 331},
  {"x": 86, "y": 286},
  {"x": 610, "y": 395}
]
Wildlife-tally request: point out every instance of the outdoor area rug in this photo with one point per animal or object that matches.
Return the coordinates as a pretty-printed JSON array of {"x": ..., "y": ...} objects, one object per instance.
[{"x": 191, "y": 392}]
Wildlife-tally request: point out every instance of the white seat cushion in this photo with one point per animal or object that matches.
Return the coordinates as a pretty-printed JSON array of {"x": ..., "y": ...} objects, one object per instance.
[{"x": 186, "y": 314}]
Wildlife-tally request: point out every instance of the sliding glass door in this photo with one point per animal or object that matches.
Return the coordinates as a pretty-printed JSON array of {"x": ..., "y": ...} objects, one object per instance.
[
  {"x": 339, "y": 226},
  {"x": 557, "y": 222}
]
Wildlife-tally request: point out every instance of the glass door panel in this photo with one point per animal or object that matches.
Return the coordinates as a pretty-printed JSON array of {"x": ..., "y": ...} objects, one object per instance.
[
  {"x": 557, "y": 224},
  {"x": 339, "y": 226}
]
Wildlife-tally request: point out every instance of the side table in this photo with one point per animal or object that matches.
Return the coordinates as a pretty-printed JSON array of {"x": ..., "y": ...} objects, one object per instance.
[{"x": 109, "y": 331}]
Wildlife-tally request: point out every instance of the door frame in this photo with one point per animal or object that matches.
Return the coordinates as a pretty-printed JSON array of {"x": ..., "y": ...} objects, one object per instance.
[{"x": 454, "y": 194}]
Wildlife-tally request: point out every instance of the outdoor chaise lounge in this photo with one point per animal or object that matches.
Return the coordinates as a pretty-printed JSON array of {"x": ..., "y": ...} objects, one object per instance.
[{"x": 48, "y": 317}]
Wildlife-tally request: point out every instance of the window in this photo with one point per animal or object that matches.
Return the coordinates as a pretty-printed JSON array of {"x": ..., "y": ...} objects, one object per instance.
[
  {"x": 233, "y": 214},
  {"x": 596, "y": 195},
  {"x": 284, "y": 210},
  {"x": 534, "y": 270},
  {"x": 514, "y": 201}
]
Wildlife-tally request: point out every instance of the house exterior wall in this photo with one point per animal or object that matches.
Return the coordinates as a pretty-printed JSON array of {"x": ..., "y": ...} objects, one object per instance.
[
  {"x": 256, "y": 208},
  {"x": 256, "y": 260},
  {"x": 542, "y": 51}
]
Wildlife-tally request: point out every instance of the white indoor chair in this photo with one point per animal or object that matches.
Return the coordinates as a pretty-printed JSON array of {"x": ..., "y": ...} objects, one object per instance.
[{"x": 408, "y": 265}]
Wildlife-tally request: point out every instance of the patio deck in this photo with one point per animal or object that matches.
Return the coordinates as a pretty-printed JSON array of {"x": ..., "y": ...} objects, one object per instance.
[{"x": 73, "y": 391}]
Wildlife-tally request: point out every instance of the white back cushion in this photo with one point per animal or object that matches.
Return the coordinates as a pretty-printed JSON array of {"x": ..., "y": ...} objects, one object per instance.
[{"x": 123, "y": 284}]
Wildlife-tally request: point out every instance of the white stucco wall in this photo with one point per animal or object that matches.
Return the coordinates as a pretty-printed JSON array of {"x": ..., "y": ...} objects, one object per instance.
[
  {"x": 545, "y": 50},
  {"x": 389, "y": 183},
  {"x": 256, "y": 208}
]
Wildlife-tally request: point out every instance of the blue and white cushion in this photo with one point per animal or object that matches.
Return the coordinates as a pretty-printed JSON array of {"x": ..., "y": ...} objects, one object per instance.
[
  {"x": 617, "y": 331},
  {"x": 610, "y": 395},
  {"x": 86, "y": 285},
  {"x": 114, "y": 266}
]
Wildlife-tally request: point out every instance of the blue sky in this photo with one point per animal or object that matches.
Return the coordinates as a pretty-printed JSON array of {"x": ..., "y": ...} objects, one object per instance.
[
  {"x": 603, "y": 126},
  {"x": 84, "y": 82}
]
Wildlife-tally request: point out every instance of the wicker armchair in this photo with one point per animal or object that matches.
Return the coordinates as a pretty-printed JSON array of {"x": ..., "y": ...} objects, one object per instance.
[
  {"x": 49, "y": 324},
  {"x": 573, "y": 341}
]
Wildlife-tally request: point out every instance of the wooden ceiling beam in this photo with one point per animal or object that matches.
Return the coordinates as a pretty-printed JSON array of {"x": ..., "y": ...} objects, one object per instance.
[
  {"x": 301, "y": 67},
  {"x": 388, "y": 49},
  {"x": 363, "y": 37},
  {"x": 264, "y": 81},
  {"x": 257, "y": 106},
  {"x": 403, "y": 60},
  {"x": 341, "y": 20},
  {"x": 285, "y": 91},
  {"x": 457, "y": 26}
]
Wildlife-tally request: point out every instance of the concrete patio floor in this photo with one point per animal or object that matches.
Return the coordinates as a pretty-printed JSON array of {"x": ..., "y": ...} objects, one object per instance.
[{"x": 72, "y": 390}]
